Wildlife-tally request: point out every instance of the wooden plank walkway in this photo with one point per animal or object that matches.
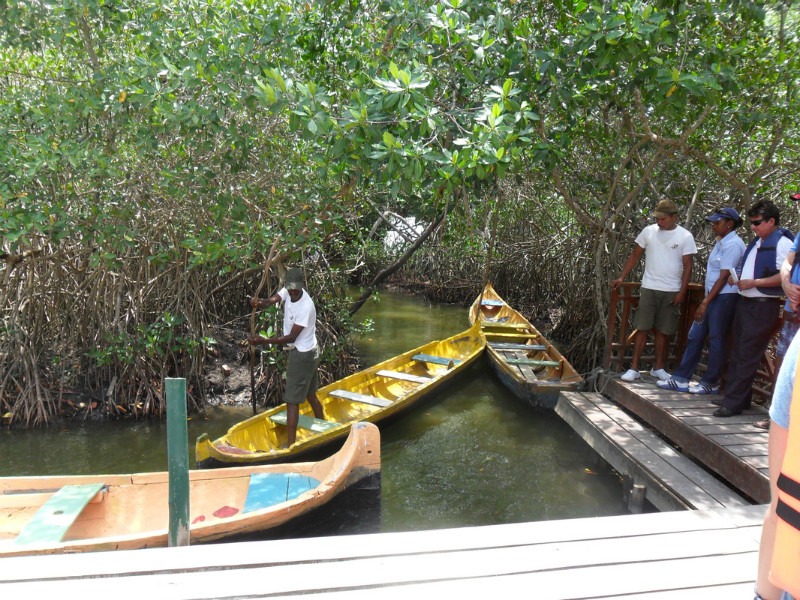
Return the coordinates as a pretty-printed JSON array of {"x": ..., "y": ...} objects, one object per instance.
[
  {"x": 664, "y": 556},
  {"x": 667, "y": 478},
  {"x": 732, "y": 448}
]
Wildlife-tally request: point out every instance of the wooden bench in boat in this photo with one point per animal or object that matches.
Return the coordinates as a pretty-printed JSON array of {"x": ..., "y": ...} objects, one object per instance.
[
  {"x": 363, "y": 398},
  {"x": 403, "y": 376},
  {"x": 54, "y": 518},
  {"x": 533, "y": 363},
  {"x": 436, "y": 360},
  {"x": 651, "y": 467},
  {"x": 305, "y": 422},
  {"x": 499, "y": 336},
  {"x": 510, "y": 346},
  {"x": 492, "y": 303}
]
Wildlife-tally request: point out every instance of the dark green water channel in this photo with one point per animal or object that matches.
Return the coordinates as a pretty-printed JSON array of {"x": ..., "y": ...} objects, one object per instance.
[{"x": 471, "y": 455}]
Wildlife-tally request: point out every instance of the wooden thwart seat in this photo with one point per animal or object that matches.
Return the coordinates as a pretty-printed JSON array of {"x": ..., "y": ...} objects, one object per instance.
[
  {"x": 533, "y": 363},
  {"x": 511, "y": 346},
  {"x": 305, "y": 422},
  {"x": 403, "y": 376},
  {"x": 667, "y": 478},
  {"x": 363, "y": 398},
  {"x": 436, "y": 360},
  {"x": 52, "y": 521},
  {"x": 494, "y": 335},
  {"x": 492, "y": 303}
]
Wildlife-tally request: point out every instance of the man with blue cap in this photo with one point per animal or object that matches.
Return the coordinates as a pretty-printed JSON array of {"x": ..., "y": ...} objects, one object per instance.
[{"x": 712, "y": 319}]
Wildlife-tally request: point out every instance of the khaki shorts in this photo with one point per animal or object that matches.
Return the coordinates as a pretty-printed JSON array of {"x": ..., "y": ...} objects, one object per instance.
[
  {"x": 656, "y": 311},
  {"x": 301, "y": 375}
]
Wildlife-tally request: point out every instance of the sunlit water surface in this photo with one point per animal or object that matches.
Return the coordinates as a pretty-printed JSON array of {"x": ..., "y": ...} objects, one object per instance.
[{"x": 473, "y": 454}]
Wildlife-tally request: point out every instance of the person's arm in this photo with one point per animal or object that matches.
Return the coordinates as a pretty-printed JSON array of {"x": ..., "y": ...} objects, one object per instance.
[
  {"x": 792, "y": 290},
  {"x": 630, "y": 263},
  {"x": 258, "y": 340},
  {"x": 720, "y": 283},
  {"x": 771, "y": 281},
  {"x": 778, "y": 439},
  {"x": 687, "y": 275},
  {"x": 265, "y": 302}
]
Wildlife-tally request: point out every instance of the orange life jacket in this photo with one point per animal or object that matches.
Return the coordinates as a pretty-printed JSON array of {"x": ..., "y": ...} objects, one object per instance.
[{"x": 785, "y": 568}]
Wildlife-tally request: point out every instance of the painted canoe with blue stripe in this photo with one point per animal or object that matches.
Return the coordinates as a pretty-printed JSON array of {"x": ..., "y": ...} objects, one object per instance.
[
  {"x": 67, "y": 514},
  {"x": 376, "y": 395},
  {"x": 523, "y": 359}
]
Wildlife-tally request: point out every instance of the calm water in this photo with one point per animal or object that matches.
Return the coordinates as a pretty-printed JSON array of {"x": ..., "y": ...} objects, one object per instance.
[{"x": 471, "y": 455}]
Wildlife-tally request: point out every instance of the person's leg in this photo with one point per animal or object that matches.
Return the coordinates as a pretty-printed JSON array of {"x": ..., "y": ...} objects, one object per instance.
[
  {"x": 316, "y": 406},
  {"x": 643, "y": 322},
  {"x": 661, "y": 342},
  {"x": 638, "y": 347},
  {"x": 666, "y": 319},
  {"x": 719, "y": 317},
  {"x": 693, "y": 351},
  {"x": 292, "y": 415},
  {"x": 756, "y": 324}
]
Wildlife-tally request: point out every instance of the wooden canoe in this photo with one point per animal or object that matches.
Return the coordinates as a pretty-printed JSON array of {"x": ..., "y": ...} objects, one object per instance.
[
  {"x": 375, "y": 395},
  {"x": 524, "y": 360},
  {"x": 65, "y": 514}
]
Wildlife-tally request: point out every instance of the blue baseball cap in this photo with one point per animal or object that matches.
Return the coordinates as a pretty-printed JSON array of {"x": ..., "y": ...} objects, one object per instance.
[{"x": 725, "y": 213}]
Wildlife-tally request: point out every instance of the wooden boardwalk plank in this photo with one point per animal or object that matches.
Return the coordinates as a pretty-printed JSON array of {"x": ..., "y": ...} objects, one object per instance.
[
  {"x": 678, "y": 418},
  {"x": 673, "y": 481},
  {"x": 683, "y": 554}
]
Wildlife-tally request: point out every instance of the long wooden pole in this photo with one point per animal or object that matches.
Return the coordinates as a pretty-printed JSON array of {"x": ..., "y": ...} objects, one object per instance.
[{"x": 264, "y": 276}]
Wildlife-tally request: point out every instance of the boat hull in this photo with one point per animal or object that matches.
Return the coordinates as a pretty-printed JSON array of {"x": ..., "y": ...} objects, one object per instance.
[
  {"x": 377, "y": 394},
  {"x": 524, "y": 360},
  {"x": 132, "y": 511}
]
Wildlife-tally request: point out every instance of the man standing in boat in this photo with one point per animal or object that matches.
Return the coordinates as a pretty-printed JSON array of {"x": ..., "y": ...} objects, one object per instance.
[
  {"x": 300, "y": 337},
  {"x": 668, "y": 249}
]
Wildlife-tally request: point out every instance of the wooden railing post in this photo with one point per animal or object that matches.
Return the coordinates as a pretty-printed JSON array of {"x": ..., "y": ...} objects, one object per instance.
[{"x": 178, "y": 460}]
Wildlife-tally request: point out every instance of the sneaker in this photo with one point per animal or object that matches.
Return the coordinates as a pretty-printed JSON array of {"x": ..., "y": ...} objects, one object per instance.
[
  {"x": 631, "y": 375},
  {"x": 672, "y": 384},
  {"x": 660, "y": 374},
  {"x": 702, "y": 388}
]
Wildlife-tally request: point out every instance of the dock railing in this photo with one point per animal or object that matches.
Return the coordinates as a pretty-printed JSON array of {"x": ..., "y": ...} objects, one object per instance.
[{"x": 619, "y": 348}]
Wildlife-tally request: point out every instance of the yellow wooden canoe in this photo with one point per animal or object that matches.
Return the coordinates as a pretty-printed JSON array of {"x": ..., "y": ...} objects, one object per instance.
[
  {"x": 524, "y": 360},
  {"x": 60, "y": 514},
  {"x": 374, "y": 394}
]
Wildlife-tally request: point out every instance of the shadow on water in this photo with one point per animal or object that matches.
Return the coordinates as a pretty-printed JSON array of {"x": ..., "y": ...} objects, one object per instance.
[{"x": 470, "y": 455}]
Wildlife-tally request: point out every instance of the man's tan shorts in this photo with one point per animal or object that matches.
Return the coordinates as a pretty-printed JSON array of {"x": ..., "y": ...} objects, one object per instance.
[
  {"x": 656, "y": 311},
  {"x": 301, "y": 375}
]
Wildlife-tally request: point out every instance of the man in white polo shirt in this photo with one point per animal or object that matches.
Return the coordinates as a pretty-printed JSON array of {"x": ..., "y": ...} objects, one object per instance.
[
  {"x": 668, "y": 249},
  {"x": 300, "y": 330}
]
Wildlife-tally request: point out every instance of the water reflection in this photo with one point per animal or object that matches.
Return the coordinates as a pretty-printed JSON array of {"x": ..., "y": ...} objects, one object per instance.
[{"x": 471, "y": 455}]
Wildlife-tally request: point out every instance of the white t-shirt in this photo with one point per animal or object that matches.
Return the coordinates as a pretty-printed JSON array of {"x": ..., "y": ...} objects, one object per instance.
[
  {"x": 663, "y": 256},
  {"x": 304, "y": 313},
  {"x": 781, "y": 250}
]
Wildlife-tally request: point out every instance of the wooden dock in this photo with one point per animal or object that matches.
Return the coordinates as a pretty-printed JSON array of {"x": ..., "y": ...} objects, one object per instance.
[
  {"x": 731, "y": 447},
  {"x": 652, "y": 469},
  {"x": 666, "y": 556}
]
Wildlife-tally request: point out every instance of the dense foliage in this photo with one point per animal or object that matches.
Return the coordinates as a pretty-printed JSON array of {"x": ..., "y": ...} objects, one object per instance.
[{"x": 152, "y": 151}]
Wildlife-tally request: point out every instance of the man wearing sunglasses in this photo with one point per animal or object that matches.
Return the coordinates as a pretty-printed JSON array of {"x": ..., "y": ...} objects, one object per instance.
[{"x": 758, "y": 309}]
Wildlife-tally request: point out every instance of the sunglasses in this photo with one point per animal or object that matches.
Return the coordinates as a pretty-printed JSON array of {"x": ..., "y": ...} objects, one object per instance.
[{"x": 757, "y": 222}]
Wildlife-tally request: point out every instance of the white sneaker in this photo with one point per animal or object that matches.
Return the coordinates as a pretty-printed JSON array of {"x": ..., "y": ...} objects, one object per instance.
[
  {"x": 660, "y": 374},
  {"x": 630, "y": 375}
]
